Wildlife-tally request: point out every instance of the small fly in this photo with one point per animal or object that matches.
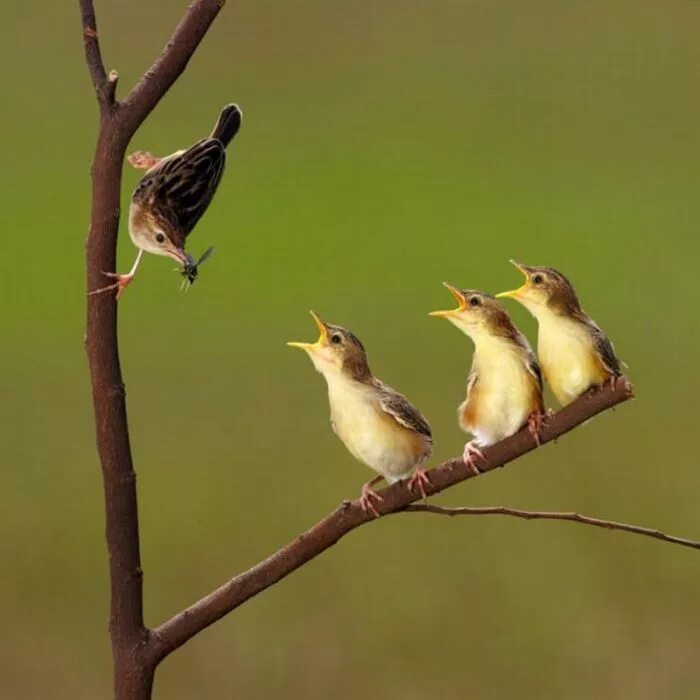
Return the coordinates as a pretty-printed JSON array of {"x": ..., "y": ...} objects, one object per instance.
[{"x": 190, "y": 271}]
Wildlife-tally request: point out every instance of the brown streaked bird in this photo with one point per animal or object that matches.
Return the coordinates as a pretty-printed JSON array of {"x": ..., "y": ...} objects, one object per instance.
[
  {"x": 377, "y": 424},
  {"x": 574, "y": 352},
  {"x": 173, "y": 195},
  {"x": 504, "y": 389}
]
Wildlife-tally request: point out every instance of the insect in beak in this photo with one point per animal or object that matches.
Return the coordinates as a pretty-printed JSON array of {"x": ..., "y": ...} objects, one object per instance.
[{"x": 190, "y": 269}]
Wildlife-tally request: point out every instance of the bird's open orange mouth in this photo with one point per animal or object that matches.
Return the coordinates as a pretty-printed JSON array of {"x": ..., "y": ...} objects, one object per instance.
[{"x": 457, "y": 294}]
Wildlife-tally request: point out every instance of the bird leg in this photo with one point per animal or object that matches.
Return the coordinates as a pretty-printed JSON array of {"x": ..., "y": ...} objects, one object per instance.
[
  {"x": 420, "y": 479},
  {"x": 143, "y": 160},
  {"x": 535, "y": 423},
  {"x": 368, "y": 494},
  {"x": 471, "y": 453},
  {"x": 123, "y": 281}
]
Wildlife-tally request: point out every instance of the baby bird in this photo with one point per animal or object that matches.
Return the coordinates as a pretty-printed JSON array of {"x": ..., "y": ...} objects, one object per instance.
[
  {"x": 504, "y": 389},
  {"x": 575, "y": 354},
  {"x": 377, "y": 424},
  {"x": 173, "y": 195}
]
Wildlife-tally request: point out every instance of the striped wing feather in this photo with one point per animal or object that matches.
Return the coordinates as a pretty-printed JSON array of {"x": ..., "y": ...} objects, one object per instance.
[
  {"x": 603, "y": 346},
  {"x": 402, "y": 411},
  {"x": 181, "y": 187}
]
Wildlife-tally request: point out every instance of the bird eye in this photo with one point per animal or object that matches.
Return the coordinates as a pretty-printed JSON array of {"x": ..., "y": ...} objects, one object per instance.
[
  {"x": 474, "y": 301},
  {"x": 160, "y": 238},
  {"x": 336, "y": 339},
  {"x": 538, "y": 279}
]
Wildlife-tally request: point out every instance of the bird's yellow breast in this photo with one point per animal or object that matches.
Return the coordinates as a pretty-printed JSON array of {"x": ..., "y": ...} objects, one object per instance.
[
  {"x": 504, "y": 394},
  {"x": 371, "y": 435},
  {"x": 568, "y": 357}
]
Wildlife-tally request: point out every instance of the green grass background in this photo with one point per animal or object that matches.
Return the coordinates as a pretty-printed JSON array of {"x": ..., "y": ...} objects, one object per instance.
[{"x": 386, "y": 147}]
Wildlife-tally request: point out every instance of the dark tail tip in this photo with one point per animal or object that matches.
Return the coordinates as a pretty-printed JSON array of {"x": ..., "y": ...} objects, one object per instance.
[{"x": 228, "y": 124}]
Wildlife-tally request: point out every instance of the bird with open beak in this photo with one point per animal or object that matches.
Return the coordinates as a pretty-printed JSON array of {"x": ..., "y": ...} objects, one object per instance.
[
  {"x": 504, "y": 388},
  {"x": 574, "y": 352},
  {"x": 377, "y": 424},
  {"x": 173, "y": 195}
]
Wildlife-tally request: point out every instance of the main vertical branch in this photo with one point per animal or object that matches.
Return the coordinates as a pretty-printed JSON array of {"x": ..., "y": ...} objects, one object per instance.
[
  {"x": 109, "y": 404},
  {"x": 134, "y": 666}
]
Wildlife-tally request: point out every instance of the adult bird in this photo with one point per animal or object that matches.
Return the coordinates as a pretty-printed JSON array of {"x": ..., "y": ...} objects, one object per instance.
[
  {"x": 574, "y": 352},
  {"x": 377, "y": 424},
  {"x": 173, "y": 195},
  {"x": 504, "y": 389}
]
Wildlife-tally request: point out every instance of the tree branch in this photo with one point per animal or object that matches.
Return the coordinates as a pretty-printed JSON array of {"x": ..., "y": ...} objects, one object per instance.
[
  {"x": 551, "y": 515},
  {"x": 133, "y": 665},
  {"x": 93, "y": 55},
  {"x": 183, "y": 626},
  {"x": 171, "y": 62}
]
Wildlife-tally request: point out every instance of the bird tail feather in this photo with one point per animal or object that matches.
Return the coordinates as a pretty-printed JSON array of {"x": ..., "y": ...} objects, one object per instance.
[{"x": 228, "y": 124}]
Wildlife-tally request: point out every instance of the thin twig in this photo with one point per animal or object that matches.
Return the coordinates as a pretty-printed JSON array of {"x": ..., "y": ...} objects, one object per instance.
[
  {"x": 93, "y": 55},
  {"x": 551, "y": 515}
]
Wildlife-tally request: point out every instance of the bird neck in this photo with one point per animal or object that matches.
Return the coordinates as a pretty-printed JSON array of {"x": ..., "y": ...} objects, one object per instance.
[
  {"x": 356, "y": 367},
  {"x": 492, "y": 346},
  {"x": 341, "y": 383}
]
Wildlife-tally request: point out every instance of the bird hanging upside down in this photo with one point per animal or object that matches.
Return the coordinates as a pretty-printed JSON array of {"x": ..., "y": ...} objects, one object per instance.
[
  {"x": 574, "y": 352},
  {"x": 377, "y": 424},
  {"x": 173, "y": 195},
  {"x": 504, "y": 389}
]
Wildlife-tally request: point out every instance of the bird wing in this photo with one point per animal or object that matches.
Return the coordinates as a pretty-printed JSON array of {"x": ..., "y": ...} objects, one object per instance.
[
  {"x": 472, "y": 379},
  {"x": 530, "y": 359},
  {"x": 604, "y": 347},
  {"x": 180, "y": 188},
  {"x": 533, "y": 367},
  {"x": 401, "y": 410}
]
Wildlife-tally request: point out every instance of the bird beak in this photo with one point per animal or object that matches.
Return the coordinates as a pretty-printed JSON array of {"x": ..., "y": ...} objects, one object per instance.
[
  {"x": 460, "y": 300},
  {"x": 323, "y": 329},
  {"x": 516, "y": 293},
  {"x": 181, "y": 256}
]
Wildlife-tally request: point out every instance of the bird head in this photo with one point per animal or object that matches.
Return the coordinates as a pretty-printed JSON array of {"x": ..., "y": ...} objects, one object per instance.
[
  {"x": 337, "y": 351},
  {"x": 477, "y": 313},
  {"x": 545, "y": 289},
  {"x": 163, "y": 242},
  {"x": 156, "y": 235}
]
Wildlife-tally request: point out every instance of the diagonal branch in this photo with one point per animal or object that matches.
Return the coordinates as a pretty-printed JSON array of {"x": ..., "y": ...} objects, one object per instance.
[
  {"x": 173, "y": 60},
  {"x": 551, "y": 515},
  {"x": 183, "y": 626}
]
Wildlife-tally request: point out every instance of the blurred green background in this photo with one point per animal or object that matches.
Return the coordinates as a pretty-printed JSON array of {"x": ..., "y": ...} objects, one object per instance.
[{"x": 386, "y": 147}]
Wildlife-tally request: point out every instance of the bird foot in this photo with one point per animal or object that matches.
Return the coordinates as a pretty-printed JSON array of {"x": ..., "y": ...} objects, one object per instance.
[
  {"x": 471, "y": 454},
  {"x": 143, "y": 160},
  {"x": 613, "y": 382},
  {"x": 367, "y": 496},
  {"x": 421, "y": 480},
  {"x": 535, "y": 423},
  {"x": 123, "y": 281}
]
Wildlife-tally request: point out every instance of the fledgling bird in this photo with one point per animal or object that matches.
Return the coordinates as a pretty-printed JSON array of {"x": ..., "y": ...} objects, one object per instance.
[
  {"x": 377, "y": 424},
  {"x": 173, "y": 195},
  {"x": 574, "y": 352},
  {"x": 504, "y": 389}
]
